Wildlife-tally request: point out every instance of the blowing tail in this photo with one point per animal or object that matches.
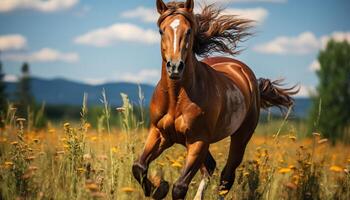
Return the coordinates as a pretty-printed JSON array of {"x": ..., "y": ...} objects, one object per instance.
[{"x": 272, "y": 94}]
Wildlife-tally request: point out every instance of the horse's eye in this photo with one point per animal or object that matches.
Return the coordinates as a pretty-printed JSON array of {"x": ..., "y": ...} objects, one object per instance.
[
  {"x": 189, "y": 32},
  {"x": 160, "y": 32}
]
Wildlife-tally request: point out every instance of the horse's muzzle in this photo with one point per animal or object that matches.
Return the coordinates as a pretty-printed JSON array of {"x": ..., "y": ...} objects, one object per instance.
[{"x": 175, "y": 69}]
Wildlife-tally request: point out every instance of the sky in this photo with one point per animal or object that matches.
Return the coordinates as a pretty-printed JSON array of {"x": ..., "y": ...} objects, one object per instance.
[{"x": 108, "y": 40}]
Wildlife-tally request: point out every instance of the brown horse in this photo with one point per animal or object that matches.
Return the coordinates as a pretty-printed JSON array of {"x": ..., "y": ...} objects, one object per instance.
[{"x": 197, "y": 103}]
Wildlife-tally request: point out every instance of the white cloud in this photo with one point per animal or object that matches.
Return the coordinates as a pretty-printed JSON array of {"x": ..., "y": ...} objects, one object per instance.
[
  {"x": 304, "y": 43},
  {"x": 142, "y": 13},
  {"x": 151, "y": 76},
  {"x": 12, "y": 42},
  {"x": 306, "y": 91},
  {"x": 39, "y": 5},
  {"x": 256, "y": 14},
  {"x": 10, "y": 78},
  {"x": 315, "y": 66},
  {"x": 150, "y": 15},
  {"x": 336, "y": 36},
  {"x": 116, "y": 33},
  {"x": 43, "y": 55},
  {"x": 244, "y": 1}
]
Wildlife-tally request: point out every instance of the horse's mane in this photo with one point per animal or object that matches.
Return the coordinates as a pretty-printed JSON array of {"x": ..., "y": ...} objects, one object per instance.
[{"x": 214, "y": 31}]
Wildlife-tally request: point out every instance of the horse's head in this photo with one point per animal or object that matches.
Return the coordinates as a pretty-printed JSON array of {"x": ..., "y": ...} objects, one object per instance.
[{"x": 176, "y": 29}]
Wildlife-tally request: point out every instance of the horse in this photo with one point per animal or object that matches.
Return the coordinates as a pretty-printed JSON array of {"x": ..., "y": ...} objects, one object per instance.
[{"x": 198, "y": 103}]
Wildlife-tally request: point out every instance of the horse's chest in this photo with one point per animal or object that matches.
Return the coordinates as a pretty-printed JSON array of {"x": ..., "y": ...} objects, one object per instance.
[{"x": 182, "y": 122}]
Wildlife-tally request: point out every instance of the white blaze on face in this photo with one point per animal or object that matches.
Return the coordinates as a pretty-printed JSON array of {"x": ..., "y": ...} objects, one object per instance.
[{"x": 174, "y": 25}]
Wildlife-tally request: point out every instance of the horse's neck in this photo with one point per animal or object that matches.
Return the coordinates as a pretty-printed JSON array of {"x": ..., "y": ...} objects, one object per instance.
[{"x": 175, "y": 88}]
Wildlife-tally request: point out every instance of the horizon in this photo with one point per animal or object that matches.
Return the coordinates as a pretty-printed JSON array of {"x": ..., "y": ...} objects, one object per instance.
[{"x": 91, "y": 42}]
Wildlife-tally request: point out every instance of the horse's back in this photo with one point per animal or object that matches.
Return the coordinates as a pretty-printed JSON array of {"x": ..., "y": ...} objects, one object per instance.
[{"x": 238, "y": 72}]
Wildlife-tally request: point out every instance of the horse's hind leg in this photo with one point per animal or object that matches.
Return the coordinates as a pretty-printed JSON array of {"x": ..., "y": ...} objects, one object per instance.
[
  {"x": 154, "y": 146},
  {"x": 207, "y": 170}
]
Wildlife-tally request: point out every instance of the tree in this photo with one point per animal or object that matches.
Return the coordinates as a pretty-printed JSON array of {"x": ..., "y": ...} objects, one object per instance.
[
  {"x": 331, "y": 105},
  {"x": 3, "y": 96},
  {"x": 24, "y": 95}
]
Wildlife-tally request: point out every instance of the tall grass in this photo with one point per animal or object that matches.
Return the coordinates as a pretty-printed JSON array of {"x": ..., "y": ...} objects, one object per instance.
[{"x": 74, "y": 161}]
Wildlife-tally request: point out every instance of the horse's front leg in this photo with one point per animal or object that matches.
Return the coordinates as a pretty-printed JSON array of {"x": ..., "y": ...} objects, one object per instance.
[
  {"x": 196, "y": 154},
  {"x": 154, "y": 146}
]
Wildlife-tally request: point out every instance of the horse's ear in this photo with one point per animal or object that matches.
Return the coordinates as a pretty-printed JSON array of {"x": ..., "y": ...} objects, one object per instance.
[
  {"x": 161, "y": 7},
  {"x": 189, "y": 5}
]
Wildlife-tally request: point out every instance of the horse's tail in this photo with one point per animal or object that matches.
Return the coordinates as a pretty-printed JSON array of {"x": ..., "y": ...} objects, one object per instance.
[{"x": 272, "y": 94}]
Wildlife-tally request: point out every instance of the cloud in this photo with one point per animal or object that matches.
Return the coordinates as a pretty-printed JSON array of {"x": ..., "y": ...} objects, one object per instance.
[
  {"x": 245, "y": 1},
  {"x": 151, "y": 76},
  {"x": 304, "y": 43},
  {"x": 306, "y": 91},
  {"x": 12, "y": 42},
  {"x": 43, "y": 55},
  {"x": 142, "y": 13},
  {"x": 116, "y": 33},
  {"x": 10, "y": 78},
  {"x": 336, "y": 36},
  {"x": 39, "y": 5},
  {"x": 150, "y": 15},
  {"x": 315, "y": 66},
  {"x": 256, "y": 14}
]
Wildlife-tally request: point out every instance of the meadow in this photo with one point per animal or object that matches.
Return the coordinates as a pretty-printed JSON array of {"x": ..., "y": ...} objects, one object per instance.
[{"x": 77, "y": 161}]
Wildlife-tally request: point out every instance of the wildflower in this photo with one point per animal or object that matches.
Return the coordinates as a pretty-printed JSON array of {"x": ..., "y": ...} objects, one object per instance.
[
  {"x": 335, "y": 168},
  {"x": 30, "y": 158},
  {"x": 245, "y": 173},
  {"x": 292, "y": 167},
  {"x": 114, "y": 149},
  {"x": 92, "y": 187},
  {"x": 20, "y": 119},
  {"x": 161, "y": 163},
  {"x": 66, "y": 125},
  {"x": 87, "y": 125},
  {"x": 33, "y": 168},
  {"x": 284, "y": 170},
  {"x": 293, "y": 138},
  {"x": 94, "y": 138},
  {"x": 98, "y": 195},
  {"x": 8, "y": 163},
  {"x": 120, "y": 109},
  {"x": 223, "y": 192},
  {"x": 176, "y": 164},
  {"x": 36, "y": 140},
  {"x": 81, "y": 170},
  {"x": 87, "y": 156},
  {"x": 59, "y": 152},
  {"x": 128, "y": 189},
  {"x": 316, "y": 134},
  {"x": 322, "y": 141}
]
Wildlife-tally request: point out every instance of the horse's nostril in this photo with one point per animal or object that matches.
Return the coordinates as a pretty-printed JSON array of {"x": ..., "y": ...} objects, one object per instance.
[
  {"x": 168, "y": 64},
  {"x": 181, "y": 65}
]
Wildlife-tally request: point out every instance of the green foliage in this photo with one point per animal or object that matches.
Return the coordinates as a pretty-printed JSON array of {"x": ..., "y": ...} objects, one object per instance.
[{"x": 331, "y": 108}]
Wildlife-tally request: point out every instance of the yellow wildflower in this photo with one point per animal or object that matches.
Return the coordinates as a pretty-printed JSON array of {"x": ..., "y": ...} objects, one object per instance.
[{"x": 335, "y": 168}]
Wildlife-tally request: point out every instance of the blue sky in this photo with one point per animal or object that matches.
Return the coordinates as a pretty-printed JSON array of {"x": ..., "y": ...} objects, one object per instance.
[{"x": 100, "y": 41}]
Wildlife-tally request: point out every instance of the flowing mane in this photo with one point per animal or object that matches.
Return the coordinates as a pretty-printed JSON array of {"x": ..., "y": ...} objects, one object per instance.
[{"x": 215, "y": 32}]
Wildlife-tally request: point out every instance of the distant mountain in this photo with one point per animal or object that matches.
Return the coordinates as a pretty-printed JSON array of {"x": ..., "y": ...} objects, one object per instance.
[{"x": 65, "y": 92}]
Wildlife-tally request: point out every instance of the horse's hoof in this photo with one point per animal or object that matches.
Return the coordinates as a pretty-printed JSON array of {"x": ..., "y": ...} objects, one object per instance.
[{"x": 161, "y": 191}]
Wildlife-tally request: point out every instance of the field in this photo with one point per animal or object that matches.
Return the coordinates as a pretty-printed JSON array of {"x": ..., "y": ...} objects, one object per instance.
[{"x": 76, "y": 161}]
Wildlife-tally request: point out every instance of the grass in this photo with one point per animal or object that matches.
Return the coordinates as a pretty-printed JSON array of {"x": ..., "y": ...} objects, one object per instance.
[{"x": 75, "y": 161}]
